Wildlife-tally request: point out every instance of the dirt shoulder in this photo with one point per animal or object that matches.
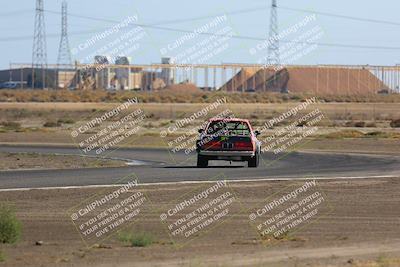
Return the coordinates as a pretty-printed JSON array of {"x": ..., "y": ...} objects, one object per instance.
[
  {"x": 346, "y": 127},
  {"x": 360, "y": 228},
  {"x": 23, "y": 161},
  {"x": 353, "y": 145},
  {"x": 345, "y": 145}
]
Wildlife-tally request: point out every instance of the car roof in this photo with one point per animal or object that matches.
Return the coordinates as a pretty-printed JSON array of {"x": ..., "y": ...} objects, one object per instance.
[{"x": 229, "y": 119}]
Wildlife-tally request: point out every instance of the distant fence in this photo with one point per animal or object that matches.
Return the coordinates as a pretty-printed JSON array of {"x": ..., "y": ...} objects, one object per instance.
[{"x": 334, "y": 79}]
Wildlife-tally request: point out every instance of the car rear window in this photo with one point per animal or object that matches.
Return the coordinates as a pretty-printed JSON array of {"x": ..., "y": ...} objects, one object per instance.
[{"x": 228, "y": 128}]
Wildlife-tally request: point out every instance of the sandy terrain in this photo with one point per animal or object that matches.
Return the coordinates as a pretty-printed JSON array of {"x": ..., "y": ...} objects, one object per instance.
[
  {"x": 359, "y": 227},
  {"x": 28, "y": 120},
  {"x": 358, "y": 110},
  {"x": 357, "y": 145},
  {"x": 23, "y": 161}
]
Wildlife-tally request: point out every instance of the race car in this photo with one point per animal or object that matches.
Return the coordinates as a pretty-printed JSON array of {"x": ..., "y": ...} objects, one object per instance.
[{"x": 230, "y": 140}]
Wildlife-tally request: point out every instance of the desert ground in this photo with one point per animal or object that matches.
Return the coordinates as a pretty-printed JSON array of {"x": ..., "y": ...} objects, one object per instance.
[
  {"x": 54, "y": 122},
  {"x": 360, "y": 228},
  {"x": 358, "y": 224}
]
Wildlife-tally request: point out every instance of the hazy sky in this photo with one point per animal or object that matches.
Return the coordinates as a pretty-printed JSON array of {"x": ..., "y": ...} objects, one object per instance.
[{"x": 17, "y": 19}]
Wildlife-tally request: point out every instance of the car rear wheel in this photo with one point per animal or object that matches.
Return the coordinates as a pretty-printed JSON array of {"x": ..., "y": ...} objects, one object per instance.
[
  {"x": 254, "y": 161},
  {"x": 202, "y": 161}
]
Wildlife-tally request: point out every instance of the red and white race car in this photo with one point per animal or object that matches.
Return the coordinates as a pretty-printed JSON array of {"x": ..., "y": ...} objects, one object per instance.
[{"x": 230, "y": 140}]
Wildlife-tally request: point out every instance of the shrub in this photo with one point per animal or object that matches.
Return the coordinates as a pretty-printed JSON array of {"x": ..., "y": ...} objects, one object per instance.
[
  {"x": 348, "y": 124},
  {"x": 2, "y": 256},
  {"x": 50, "y": 124},
  {"x": 302, "y": 124},
  {"x": 190, "y": 96},
  {"x": 11, "y": 125},
  {"x": 10, "y": 226},
  {"x": 383, "y": 135},
  {"x": 345, "y": 134},
  {"x": 395, "y": 123},
  {"x": 140, "y": 239},
  {"x": 65, "y": 121},
  {"x": 359, "y": 124},
  {"x": 376, "y": 134}
]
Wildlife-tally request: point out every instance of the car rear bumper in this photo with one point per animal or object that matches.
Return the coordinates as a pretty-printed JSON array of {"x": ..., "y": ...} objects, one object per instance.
[{"x": 227, "y": 153}]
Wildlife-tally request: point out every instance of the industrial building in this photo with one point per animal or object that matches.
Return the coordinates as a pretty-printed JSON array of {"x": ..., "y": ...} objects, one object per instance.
[
  {"x": 101, "y": 75},
  {"x": 24, "y": 76},
  {"x": 123, "y": 76}
]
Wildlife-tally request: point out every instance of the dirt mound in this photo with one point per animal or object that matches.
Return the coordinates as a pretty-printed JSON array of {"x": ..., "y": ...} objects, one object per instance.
[
  {"x": 183, "y": 88},
  {"x": 323, "y": 80},
  {"x": 238, "y": 81},
  {"x": 333, "y": 81}
]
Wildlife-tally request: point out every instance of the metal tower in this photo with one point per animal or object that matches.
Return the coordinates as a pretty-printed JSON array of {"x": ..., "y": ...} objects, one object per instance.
[
  {"x": 64, "y": 53},
  {"x": 273, "y": 41},
  {"x": 39, "y": 52}
]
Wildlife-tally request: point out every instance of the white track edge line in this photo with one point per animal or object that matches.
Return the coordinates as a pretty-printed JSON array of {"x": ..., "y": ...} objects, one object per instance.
[{"x": 200, "y": 182}]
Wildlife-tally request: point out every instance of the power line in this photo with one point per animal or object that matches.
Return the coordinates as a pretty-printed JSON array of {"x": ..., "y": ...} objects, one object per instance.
[
  {"x": 15, "y": 12},
  {"x": 246, "y": 11},
  {"x": 166, "y": 22},
  {"x": 156, "y": 27},
  {"x": 236, "y": 12},
  {"x": 341, "y": 16},
  {"x": 242, "y": 37}
]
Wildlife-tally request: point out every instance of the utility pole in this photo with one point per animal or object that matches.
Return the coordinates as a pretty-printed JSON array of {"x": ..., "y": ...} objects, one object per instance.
[
  {"x": 39, "y": 51},
  {"x": 273, "y": 40},
  {"x": 64, "y": 53}
]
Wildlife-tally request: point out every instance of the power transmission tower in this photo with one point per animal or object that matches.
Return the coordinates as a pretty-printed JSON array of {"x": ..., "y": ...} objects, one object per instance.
[
  {"x": 64, "y": 53},
  {"x": 273, "y": 41},
  {"x": 39, "y": 52}
]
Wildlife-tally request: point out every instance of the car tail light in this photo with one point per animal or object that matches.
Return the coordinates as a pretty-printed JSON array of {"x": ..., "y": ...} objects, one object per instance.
[
  {"x": 212, "y": 145},
  {"x": 243, "y": 146}
]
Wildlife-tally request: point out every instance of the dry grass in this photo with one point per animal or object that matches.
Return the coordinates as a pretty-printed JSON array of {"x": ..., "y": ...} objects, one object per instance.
[
  {"x": 13, "y": 161},
  {"x": 43, "y": 214},
  {"x": 342, "y": 113},
  {"x": 381, "y": 261},
  {"x": 359, "y": 134},
  {"x": 181, "y": 97},
  {"x": 25, "y": 122}
]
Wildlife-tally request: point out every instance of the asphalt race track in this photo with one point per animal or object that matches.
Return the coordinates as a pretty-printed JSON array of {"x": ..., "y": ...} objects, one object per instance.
[{"x": 157, "y": 165}]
